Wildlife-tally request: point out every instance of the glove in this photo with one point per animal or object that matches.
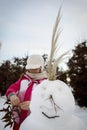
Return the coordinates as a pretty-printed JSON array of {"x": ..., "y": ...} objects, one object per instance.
[{"x": 25, "y": 105}]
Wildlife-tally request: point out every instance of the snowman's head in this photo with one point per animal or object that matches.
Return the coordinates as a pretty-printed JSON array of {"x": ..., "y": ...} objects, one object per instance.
[{"x": 52, "y": 99}]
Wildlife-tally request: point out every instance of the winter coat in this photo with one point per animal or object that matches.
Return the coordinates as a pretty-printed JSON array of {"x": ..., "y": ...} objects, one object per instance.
[{"x": 23, "y": 89}]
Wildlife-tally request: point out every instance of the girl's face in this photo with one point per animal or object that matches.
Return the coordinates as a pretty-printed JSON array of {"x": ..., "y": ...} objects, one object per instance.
[{"x": 35, "y": 71}]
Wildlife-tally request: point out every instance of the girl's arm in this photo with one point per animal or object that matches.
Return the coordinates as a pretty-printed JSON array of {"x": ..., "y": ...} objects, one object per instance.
[{"x": 13, "y": 89}]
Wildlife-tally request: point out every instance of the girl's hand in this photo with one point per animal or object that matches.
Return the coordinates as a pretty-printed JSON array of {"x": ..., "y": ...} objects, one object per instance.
[
  {"x": 25, "y": 105},
  {"x": 14, "y": 100}
]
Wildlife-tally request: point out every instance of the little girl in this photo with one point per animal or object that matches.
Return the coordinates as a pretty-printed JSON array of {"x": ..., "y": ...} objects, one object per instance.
[{"x": 19, "y": 93}]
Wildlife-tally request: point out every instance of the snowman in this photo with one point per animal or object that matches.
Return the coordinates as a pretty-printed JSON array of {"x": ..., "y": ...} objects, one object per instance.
[{"x": 52, "y": 105}]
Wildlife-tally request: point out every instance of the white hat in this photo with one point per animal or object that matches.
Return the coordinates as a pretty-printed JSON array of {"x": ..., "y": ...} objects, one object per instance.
[{"x": 34, "y": 62}]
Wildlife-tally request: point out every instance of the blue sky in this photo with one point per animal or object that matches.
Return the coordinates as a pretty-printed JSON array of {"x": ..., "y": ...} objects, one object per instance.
[{"x": 26, "y": 25}]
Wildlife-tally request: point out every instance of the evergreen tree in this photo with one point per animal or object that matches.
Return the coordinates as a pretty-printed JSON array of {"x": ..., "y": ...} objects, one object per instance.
[
  {"x": 10, "y": 72},
  {"x": 78, "y": 73}
]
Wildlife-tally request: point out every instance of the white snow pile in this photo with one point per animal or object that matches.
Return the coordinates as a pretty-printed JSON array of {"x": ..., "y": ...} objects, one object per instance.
[{"x": 52, "y": 108}]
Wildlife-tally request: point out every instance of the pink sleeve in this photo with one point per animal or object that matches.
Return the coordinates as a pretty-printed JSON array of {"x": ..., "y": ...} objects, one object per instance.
[{"x": 13, "y": 88}]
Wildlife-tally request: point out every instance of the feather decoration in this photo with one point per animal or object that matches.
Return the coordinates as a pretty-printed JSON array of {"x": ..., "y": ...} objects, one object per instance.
[{"x": 52, "y": 66}]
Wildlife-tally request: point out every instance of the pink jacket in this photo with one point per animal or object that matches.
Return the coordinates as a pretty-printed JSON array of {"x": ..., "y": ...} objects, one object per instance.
[{"x": 23, "y": 89}]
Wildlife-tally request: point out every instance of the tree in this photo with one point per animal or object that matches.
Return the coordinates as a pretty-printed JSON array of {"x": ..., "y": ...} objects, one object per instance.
[
  {"x": 78, "y": 73},
  {"x": 10, "y": 72}
]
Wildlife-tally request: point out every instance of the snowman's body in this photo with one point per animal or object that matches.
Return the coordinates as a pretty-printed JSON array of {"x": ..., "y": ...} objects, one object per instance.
[{"x": 52, "y": 107}]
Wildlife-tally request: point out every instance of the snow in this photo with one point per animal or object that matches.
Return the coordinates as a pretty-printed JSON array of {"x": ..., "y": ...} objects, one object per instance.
[{"x": 54, "y": 98}]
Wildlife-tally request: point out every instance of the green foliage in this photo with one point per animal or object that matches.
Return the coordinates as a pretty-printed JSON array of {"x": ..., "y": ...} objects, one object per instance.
[
  {"x": 8, "y": 116},
  {"x": 10, "y": 72},
  {"x": 78, "y": 73}
]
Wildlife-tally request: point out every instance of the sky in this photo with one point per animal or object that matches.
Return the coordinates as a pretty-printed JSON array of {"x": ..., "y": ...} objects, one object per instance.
[{"x": 26, "y": 26}]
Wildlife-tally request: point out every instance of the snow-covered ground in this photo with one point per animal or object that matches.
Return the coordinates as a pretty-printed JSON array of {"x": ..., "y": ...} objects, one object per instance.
[{"x": 80, "y": 112}]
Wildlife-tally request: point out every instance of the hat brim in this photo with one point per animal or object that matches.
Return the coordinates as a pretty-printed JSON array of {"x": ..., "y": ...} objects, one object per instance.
[{"x": 33, "y": 66}]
